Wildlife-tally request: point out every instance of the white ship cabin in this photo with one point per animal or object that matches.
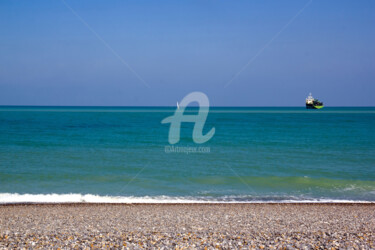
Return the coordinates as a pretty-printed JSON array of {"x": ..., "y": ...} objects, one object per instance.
[{"x": 310, "y": 99}]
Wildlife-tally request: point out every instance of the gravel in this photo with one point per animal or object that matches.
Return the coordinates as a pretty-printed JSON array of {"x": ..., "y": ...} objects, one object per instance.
[{"x": 200, "y": 226}]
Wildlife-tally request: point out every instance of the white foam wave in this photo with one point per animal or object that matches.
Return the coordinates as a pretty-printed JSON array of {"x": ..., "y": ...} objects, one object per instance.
[{"x": 12, "y": 198}]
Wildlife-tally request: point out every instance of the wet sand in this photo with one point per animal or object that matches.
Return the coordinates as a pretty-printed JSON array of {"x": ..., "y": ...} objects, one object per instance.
[{"x": 188, "y": 226}]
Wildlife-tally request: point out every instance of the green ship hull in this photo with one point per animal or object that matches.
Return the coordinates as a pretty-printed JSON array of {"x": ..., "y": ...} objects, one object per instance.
[{"x": 312, "y": 106}]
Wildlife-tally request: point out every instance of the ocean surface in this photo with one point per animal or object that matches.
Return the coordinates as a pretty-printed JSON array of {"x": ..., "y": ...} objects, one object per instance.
[{"x": 122, "y": 154}]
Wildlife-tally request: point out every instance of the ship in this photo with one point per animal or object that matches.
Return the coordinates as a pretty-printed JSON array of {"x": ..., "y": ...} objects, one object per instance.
[{"x": 312, "y": 103}]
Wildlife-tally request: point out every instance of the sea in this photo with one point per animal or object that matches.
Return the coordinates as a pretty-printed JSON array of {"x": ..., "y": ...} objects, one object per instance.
[{"x": 123, "y": 155}]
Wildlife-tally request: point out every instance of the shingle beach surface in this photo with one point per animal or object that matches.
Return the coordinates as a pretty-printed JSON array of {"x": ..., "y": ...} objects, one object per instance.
[{"x": 200, "y": 226}]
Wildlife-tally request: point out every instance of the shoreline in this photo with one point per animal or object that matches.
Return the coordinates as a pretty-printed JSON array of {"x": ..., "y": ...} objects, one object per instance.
[
  {"x": 345, "y": 203},
  {"x": 76, "y": 198},
  {"x": 135, "y": 226}
]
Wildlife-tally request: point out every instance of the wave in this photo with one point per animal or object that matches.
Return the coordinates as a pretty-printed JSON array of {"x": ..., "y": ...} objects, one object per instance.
[{"x": 15, "y": 198}]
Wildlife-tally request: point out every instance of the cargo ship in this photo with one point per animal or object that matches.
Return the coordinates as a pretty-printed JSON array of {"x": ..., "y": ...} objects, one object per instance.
[{"x": 312, "y": 103}]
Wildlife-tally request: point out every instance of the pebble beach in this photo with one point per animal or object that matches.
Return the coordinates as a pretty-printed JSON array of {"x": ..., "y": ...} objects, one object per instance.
[{"x": 188, "y": 226}]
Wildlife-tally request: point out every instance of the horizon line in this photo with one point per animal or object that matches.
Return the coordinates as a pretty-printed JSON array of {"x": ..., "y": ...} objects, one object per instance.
[{"x": 173, "y": 106}]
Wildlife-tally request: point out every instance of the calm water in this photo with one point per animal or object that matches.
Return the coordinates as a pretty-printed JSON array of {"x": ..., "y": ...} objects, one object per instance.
[{"x": 118, "y": 154}]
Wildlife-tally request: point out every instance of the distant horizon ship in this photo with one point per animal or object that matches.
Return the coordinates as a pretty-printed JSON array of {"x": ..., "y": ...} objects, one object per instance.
[{"x": 312, "y": 103}]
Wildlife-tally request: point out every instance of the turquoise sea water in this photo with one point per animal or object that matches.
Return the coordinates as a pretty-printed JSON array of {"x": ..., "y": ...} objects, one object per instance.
[{"x": 96, "y": 154}]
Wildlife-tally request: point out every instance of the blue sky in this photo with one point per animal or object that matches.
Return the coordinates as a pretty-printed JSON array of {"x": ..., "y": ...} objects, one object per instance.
[{"x": 48, "y": 55}]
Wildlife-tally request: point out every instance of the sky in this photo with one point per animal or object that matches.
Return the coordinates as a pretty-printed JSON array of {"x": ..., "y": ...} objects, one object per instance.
[{"x": 153, "y": 53}]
